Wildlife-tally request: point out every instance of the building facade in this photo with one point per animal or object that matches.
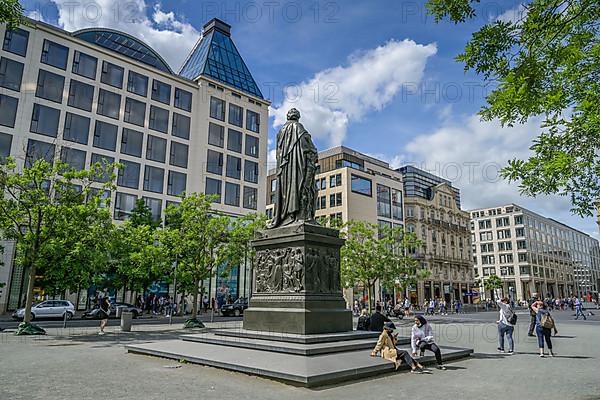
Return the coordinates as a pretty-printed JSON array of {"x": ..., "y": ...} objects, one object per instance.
[
  {"x": 432, "y": 211},
  {"x": 533, "y": 254},
  {"x": 354, "y": 186},
  {"x": 100, "y": 94}
]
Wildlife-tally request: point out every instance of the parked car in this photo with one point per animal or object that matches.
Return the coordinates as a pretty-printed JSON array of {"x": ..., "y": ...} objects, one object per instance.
[
  {"x": 48, "y": 309},
  {"x": 93, "y": 313},
  {"x": 236, "y": 308}
]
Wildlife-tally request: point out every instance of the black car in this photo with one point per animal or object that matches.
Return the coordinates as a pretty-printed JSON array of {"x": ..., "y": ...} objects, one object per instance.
[
  {"x": 236, "y": 308},
  {"x": 93, "y": 313}
]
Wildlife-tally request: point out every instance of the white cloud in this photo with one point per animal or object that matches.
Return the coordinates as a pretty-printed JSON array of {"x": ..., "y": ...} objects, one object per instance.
[
  {"x": 335, "y": 97},
  {"x": 170, "y": 36},
  {"x": 514, "y": 15}
]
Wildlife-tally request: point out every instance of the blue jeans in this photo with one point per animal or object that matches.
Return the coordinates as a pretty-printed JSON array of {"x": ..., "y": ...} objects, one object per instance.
[
  {"x": 578, "y": 312},
  {"x": 508, "y": 331},
  {"x": 544, "y": 334}
]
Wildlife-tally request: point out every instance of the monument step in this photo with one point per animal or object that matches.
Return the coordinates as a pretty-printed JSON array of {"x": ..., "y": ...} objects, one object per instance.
[
  {"x": 287, "y": 347},
  {"x": 318, "y": 370},
  {"x": 297, "y": 338}
]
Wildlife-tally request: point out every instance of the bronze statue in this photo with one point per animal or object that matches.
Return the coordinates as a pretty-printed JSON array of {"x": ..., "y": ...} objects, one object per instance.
[{"x": 296, "y": 167}]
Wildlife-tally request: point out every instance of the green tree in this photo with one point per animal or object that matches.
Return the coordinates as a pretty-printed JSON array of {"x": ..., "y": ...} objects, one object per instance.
[
  {"x": 544, "y": 63},
  {"x": 492, "y": 283},
  {"x": 241, "y": 232},
  {"x": 373, "y": 253},
  {"x": 11, "y": 13},
  {"x": 195, "y": 236},
  {"x": 41, "y": 207}
]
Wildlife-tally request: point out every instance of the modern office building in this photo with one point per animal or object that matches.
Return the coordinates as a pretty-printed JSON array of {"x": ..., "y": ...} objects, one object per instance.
[
  {"x": 432, "y": 211},
  {"x": 354, "y": 186},
  {"x": 532, "y": 253},
  {"x": 100, "y": 94}
]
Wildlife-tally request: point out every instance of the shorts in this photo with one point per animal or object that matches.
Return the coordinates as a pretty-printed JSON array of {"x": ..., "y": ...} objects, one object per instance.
[{"x": 102, "y": 314}]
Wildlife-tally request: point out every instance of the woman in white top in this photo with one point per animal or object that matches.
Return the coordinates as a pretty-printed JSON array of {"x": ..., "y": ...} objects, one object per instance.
[
  {"x": 505, "y": 327},
  {"x": 422, "y": 338}
]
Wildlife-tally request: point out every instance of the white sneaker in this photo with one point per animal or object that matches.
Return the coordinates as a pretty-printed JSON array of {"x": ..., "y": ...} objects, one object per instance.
[{"x": 101, "y": 333}]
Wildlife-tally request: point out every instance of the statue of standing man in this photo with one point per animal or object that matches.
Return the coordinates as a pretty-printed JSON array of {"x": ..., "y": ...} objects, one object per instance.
[{"x": 296, "y": 166}]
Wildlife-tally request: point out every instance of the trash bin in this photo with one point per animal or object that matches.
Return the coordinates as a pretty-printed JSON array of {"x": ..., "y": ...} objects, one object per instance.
[{"x": 126, "y": 319}]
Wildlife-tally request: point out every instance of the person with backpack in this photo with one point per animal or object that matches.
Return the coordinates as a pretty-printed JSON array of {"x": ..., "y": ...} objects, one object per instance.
[
  {"x": 506, "y": 325},
  {"x": 544, "y": 326},
  {"x": 363, "y": 321}
]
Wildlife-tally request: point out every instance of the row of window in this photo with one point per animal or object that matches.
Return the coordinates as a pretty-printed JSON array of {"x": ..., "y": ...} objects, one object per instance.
[
  {"x": 500, "y": 222},
  {"x": 236, "y": 114},
  {"x": 216, "y": 137},
  {"x": 214, "y": 165},
  {"x": 335, "y": 200},
  {"x": 389, "y": 202},
  {"x": 125, "y": 202},
  {"x": 502, "y": 246},
  {"x": 129, "y": 175},
  {"x": 232, "y": 193},
  {"x": 490, "y": 259}
]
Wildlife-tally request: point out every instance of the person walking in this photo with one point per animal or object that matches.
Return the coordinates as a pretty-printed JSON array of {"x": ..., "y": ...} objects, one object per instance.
[
  {"x": 363, "y": 321},
  {"x": 406, "y": 307},
  {"x": 506, "y": 325},
  {"x": 386, "y": 344},
  {"x": 579, "y": 308},
  {"x": 103, "y": 313},
  {"x": 377, "y": 320},
  {"x": 532, "y": 314},
  {"x": 421, "y": 338},
  {"x": 543, "y": 328}
]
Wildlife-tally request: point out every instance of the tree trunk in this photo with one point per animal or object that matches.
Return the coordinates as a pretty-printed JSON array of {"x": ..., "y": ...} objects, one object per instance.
[
  {"x": 29, "y": 299},
  {"x": 195, "y": 306},
  {"x": 369, "y": 293}
]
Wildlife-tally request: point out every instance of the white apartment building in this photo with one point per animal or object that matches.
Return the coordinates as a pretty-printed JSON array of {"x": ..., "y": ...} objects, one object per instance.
[
  {"x": 532, "y": 253},
  {"x": 100, "y": 94}
]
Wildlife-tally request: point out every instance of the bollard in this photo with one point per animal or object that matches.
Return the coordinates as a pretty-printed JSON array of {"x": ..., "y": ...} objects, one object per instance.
[{"x": 126, "y": 320}]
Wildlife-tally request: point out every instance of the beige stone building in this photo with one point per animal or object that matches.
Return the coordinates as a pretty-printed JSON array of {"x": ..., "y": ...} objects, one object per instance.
[{"x": 432, "y": 211}]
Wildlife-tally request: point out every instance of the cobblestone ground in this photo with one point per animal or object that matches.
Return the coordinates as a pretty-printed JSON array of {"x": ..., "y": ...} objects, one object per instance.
[{"x": 82, "y": 365}]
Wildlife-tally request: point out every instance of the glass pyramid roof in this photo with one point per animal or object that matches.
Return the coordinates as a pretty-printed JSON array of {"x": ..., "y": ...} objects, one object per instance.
[{"x": 217, "y": 57}]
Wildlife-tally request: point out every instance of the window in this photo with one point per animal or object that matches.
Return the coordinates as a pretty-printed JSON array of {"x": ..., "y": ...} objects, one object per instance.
[
  {"x": 137, "y": 83},
  {"x": 109, "y": 104},
  {"x": 181, "y": 126},
  {"x": 520, "y": 232},
  {"x": 102, "y": 160},
  {"x": 16, "y": 41},
  {"x": 131, "y": 142},
  {"x": 236, "y": 115},
  {"x": 521, "y": 244},
  {"x": 234, "y": 140},
  {"x": 216, "y": 135},
  {"x": 518, "y": 220},
  {"x": 250, "y": 194},
  {"x": 487, "y": 248},
  {"x": 252, "y": 121},
  {"x": 213, "y": 187},
  {"x": 522, "y": 257},
  {"x": 155, "y": 206},
  {"x": 81, "y": 95},
  {"x": 485, "y": 224},
  {"x": 8, "y": 110},
  {"x": 217, "y": 108},
  {"x": 37, "y": 150},
  {"x": 84, "y": 65},
  {"x": 156, "y": 149},
  {"x": 273, "y": 185},
  {"x": 75, "y": 158},
  {"x": 112, "y": 75},
  {"x": 11, "y": 74},
  {"x": 503, "y": 246},
  {"x": 486, "y": 236},
  {"x": 361, "y": 185},
  {"x": 487, "y": 260},
  {"x": 397, "y": 204},
  {"x": 525, "y": 270},
  {"x": 77, "y": 128},
  {"x": 153, "y": 179},
  {"x": 176, "y": 184},
  {"x": 50, "y": 86},
  {"x": 161, "y": 92},
  {"x": 335, "y": 200},
  {"x": 214, "y": 162},
  {"x": 44, "y": 120},
  {"x": 183, "y": 99},
  {"x": 159, "y": 119},
  {"x": 323, "y": 183},
  {"x": 502, "y": 222},
  {"x": 129, "y": 175},
  {"x": 135, "y": 112},
  {"x": 105, "y": 136},
  {"x": 506, "y": 258},
  {"x": 335, "y": 180},
  {"x": 251, "y": 146},
  {"x": 234, "y": 168},
  {"x": 250, "y": 171},
  {"x": 124, "y": 203},
  {"x": 55, "y": 54},
  {"x": 5, "y": 144},
  {"x": 383, "y": 201},
  {"x": 410, "y": 211},
  {"x": 232, "y": 194},
  {"x": 504, "y": 234},
  {"x": 179, "y": 155}
]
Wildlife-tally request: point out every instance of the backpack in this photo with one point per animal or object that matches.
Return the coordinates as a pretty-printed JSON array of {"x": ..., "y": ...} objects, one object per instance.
[
  {"x": 547, "y": 321},
  {"x": 513, "y": 318}
]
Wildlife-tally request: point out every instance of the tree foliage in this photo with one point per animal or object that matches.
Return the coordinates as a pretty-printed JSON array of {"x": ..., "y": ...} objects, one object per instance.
[
  {"x": 11, "y": 13},
  {"x": 544, "y": 63},
  {"x": 373, "y": 253}
]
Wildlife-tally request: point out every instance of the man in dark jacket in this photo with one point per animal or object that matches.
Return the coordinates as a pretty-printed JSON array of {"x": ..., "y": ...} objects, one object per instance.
[
  {"x": 377, "y": 320},
  {"x": 532, "y": 314}
]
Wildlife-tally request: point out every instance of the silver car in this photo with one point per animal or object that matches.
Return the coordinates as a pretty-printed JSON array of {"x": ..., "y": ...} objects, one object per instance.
[{"x": 48, "y": 309}]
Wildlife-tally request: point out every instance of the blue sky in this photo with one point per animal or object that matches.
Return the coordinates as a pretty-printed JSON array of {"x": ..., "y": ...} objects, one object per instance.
[{"x": 377, "y": 76}]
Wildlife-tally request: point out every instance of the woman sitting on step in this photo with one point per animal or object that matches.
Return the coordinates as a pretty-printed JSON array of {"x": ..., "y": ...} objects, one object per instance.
[{"x": 387, "y": 346}]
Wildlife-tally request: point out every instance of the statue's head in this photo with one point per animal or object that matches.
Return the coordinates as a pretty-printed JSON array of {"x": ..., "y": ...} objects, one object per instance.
[{"x": 293, "y": 115}]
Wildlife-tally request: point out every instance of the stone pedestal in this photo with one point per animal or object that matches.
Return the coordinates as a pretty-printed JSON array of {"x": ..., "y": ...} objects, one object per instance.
[{"x": 297, "y": 286}]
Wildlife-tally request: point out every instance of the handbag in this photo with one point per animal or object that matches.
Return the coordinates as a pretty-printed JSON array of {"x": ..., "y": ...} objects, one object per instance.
[{"x": 547, "y": 321}]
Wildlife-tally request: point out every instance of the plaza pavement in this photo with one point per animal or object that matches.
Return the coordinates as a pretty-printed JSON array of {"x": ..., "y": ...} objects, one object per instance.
[{"x": 79, "y": 364}]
